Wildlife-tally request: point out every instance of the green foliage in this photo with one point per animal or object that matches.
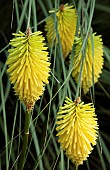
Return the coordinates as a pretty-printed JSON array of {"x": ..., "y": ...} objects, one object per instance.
[{"x": 44, "y": 152}]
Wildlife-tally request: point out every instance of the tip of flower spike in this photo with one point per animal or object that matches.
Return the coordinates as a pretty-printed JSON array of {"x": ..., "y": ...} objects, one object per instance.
[
  {"x": 78, "y": 100},
  {"x": 28, "y": 32},
  {"x": 62, "y": 7}
]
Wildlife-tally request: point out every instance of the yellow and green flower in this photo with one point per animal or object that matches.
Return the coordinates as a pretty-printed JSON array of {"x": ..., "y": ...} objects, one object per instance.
[
  {"x": 66, "y": 27},
  {"x": 93, "y": 61},
  {"x": 28, "y": 66},
  {"x": 77, "y": 129}
]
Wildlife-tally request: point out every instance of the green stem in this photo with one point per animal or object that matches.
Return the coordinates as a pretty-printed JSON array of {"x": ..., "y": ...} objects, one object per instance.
[
  {"x": 25, "y": 140},
  {"x": 29, "y": 14},
  {"x": 76, "y": 167}
]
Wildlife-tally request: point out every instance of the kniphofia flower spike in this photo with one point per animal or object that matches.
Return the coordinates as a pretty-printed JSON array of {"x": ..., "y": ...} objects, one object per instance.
[
  {"x": 28, "y": 66},
  {"x": 93, "y": 61},
  {"x": 77, "y": 129},
  {"x": 66, "y": 22}
]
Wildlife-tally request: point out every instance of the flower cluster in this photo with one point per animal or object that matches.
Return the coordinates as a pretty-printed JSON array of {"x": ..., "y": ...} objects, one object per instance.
[
  {"x": 66, "y": 26},
  {"x": 28, "y": 66},
  {"x": 77, "y": 129},
  {"x": 93, "y": 61}
]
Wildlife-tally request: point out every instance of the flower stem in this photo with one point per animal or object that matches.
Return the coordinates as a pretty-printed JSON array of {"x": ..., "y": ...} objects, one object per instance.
[
  {"x": 25, "y": 140},
  {"x": 29, "y": 14},
  {"x": 76, "y": 167}
]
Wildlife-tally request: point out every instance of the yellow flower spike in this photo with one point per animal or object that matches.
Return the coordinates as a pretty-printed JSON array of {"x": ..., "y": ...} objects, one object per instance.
[
  {"x": 77, "y": 129},
  {"x": 28, "y": 66},
  {"x": 66, "y": 17},
  {"x": 92, "y": 64}
]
